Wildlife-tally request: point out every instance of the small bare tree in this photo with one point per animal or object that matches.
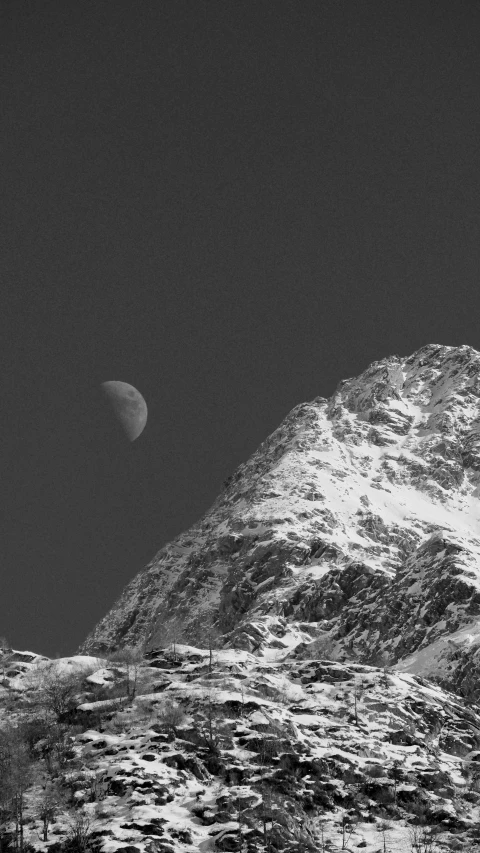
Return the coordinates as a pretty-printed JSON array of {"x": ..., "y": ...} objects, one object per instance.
[
  {"x": 170, "y": 634},
  {"x": 57, "y": 748},
  {"x": 385, "y": 661},
  {"x": 384, "y": 828},
  {"x": 270, "y": 806},
  {"x": 210, "y": 731},
  {"x": 242, "y": 699},
  {"x": 210, "y": 652},
  {"x": 321, "y": 832},
  {"x": 16, "y": 774},
  {"x": 213, "y": 636},
  {"x": 49, "y": 804},
  {"x": 358, "y": 691},
  {"x": 55, "y": 688},
  {"x": 130, "y": 658},
  {"x": 346, "y": 830}
]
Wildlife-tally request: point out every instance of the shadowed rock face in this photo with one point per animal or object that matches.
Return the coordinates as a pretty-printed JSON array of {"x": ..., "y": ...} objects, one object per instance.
[{"x": 357, "y": 518}]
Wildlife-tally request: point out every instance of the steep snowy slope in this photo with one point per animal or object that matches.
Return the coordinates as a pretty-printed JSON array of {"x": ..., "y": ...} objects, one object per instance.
[{"x": 357, "y": 519}]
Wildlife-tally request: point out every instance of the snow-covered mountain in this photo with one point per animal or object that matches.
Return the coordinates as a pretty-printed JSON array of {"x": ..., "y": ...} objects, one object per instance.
[
  {"x": 311, "y": 650},
  {"x": 357, "y": 521}
]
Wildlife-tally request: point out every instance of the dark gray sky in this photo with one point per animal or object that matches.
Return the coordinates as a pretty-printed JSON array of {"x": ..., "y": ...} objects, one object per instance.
[{"x": 232, "y": 206}]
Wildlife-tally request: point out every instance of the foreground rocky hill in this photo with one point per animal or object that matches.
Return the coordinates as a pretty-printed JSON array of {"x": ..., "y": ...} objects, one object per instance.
[
  {"x": 220, "y": 750},
  {"x": 356, "y": 522}
]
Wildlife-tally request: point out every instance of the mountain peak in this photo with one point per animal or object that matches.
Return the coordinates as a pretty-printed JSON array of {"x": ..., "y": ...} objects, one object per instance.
[{"x": 355, "y": 522}]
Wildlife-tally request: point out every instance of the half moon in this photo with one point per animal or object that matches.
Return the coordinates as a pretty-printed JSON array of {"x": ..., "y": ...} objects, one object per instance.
[{"x": 128, "y": 405}]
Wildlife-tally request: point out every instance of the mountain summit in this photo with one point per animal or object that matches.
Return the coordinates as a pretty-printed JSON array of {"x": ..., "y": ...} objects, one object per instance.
[{"x": 356, "y": 524}]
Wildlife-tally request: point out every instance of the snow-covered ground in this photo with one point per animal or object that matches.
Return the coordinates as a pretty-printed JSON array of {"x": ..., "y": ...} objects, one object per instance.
[{"x": 291, "y": 749}]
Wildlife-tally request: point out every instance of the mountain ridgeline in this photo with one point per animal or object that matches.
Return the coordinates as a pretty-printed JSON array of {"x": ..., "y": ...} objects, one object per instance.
[{"x": 354, "y": 526}]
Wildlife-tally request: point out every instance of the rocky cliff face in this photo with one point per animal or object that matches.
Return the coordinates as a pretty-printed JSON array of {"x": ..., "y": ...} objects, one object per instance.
[{"x": 355, "y": 523}]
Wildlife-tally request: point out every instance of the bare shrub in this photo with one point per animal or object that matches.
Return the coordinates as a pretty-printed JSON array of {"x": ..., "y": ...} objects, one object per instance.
[
  {"x": 54, "y": 688},
  {"x": 79, "y": 835},
  {"x": 171, "y": 715},
  {"x": 120, "y": 723},
  {"x": 58, "y": 748},
  {"x": 143, "y": 709},
  {"x": 422, "y": 840},
  {"x": 34, "y": 731}
]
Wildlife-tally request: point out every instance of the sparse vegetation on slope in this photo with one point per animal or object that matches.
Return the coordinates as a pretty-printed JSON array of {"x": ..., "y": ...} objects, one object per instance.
[{"x": 239, "y": 753}]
